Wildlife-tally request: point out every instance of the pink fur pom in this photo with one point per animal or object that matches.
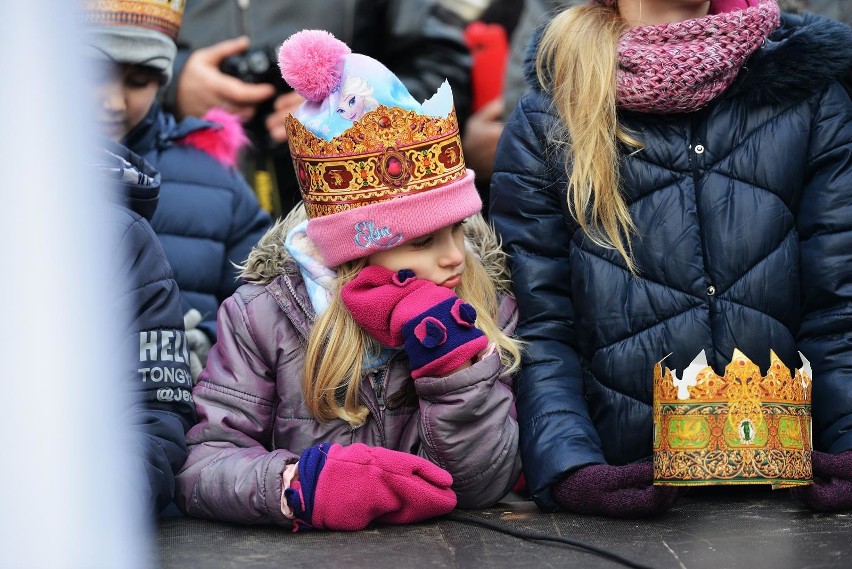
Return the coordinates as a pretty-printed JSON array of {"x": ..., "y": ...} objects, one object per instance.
[
  {"x": 223, "y": 144},
  {"x": 309, "y": 63}
]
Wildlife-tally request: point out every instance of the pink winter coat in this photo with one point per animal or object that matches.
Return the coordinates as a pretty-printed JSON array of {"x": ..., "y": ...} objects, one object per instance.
[{"x": 253, "y": 421}]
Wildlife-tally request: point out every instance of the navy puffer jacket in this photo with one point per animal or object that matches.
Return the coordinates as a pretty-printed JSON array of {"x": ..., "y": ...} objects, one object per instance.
[
  {"x": 744, "y": 217},
  {"x": 153, "y": 351},
  {"x": 208, "y": 217}
]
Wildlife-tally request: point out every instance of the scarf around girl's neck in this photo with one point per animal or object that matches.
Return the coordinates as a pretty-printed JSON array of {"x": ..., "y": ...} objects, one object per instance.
[{"x": 681, "y": 66}]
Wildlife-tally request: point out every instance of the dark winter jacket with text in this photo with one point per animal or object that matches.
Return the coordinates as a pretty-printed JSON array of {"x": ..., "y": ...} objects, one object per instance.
[{"x": 153, "y": 350}]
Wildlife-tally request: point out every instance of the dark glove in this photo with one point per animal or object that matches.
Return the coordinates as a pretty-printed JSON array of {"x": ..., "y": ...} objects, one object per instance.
[
  {"x": 346, "y": 488},
  {"x": 615, "y": 491},
  {"x": 198, "y": 342},
  {"x": 832, "y": 487},
  {"x": 434, "y": 325}
]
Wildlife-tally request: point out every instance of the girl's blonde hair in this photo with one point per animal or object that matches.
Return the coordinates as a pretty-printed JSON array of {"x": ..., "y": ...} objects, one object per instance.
[
  {"x": 338, "y": 346},
  {"x": 577, "y": 62}
]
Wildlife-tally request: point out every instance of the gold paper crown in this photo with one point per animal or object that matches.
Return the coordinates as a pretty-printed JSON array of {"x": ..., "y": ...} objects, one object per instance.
[
  {"x": 160, "y": 15},
  {"x": 387, "y": 153},
  {"x": 738, "y": 428}
]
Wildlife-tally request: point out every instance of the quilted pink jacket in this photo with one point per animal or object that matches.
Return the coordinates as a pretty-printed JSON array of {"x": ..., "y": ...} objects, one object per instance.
[{"x": 253, "y": 421}]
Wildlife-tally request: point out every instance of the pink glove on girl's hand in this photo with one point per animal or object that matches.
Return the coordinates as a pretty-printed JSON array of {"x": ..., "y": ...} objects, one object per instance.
[
  {"x": 435, "y": 326},
  {"x": 832, "y": 487},
  {"x": 615, "y": 491},
  {"x": 346, "y": 488}
]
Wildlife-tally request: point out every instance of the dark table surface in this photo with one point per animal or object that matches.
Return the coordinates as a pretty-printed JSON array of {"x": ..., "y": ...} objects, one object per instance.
[{"x": 750, "y": 527}]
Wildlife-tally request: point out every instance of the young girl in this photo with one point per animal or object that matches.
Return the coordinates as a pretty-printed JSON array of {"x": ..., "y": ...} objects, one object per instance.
[
  {"x": 350, "y": 382},
  {"x": 678, "y": 181}
]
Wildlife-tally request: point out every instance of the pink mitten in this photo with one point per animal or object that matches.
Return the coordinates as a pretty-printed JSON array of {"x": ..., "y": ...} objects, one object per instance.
[
  {"x": 434, "y": 325},
  {"x": 832, "y": 487},
  {"x": 346, "y": 488}
]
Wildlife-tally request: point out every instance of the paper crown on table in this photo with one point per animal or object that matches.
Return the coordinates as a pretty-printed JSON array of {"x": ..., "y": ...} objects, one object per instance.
[
  {"x": 742, "y": 427},
  {"x": 375, "y": 167}
]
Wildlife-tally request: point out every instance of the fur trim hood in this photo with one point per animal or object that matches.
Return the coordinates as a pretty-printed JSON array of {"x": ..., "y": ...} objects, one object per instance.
[
  {"x": 222, "y": 138},
  {"x": 800, "y": 58},
  {"x": 270, "y": 258}
]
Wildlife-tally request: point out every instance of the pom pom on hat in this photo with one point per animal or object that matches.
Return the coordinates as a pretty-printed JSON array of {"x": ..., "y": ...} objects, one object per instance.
[{"x": 311, "y": 63}]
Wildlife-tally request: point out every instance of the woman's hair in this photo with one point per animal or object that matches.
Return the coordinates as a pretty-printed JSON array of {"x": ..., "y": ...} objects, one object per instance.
[
  {"x": 338, "y": 347},
  {"x": 577, "y": 62}
]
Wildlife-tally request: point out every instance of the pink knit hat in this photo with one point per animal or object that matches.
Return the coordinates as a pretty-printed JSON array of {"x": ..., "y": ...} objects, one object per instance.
[{"x": 375, "y": 167}]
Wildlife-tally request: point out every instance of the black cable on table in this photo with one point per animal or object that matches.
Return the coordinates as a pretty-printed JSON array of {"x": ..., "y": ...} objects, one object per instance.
[{"x": 464, "y": 518}]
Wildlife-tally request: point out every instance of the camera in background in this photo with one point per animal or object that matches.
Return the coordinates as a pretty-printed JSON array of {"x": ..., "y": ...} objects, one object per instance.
[{"x": 256, "y": 65}]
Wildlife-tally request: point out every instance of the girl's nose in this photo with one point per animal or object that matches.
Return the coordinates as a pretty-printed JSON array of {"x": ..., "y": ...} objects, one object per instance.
[{"x": 452, "y": 254}]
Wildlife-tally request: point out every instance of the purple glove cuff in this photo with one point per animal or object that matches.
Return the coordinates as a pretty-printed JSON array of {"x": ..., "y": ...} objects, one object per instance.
[
  {"x": 832, "y": 487},
  {"x": 442, "y": 338},
  {"x": 616, "y": 491}
]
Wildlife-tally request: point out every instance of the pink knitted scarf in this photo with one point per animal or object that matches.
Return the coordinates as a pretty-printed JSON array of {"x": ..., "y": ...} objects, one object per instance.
[{"x": 681, "y": 66}]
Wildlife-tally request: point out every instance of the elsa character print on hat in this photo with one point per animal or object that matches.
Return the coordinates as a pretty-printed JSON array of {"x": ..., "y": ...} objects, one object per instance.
[{"x": 356, "y": 98}]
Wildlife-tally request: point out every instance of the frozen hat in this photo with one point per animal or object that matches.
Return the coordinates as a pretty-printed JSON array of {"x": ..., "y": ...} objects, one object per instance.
[
  {"x": 140, "y": 32},
  {"x": 375, "y": 167}
]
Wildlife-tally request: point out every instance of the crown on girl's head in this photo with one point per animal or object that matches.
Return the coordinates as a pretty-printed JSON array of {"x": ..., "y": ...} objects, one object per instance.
[
  {"x": 738, "y": 428},
  {"x": 375, "y": 167}
]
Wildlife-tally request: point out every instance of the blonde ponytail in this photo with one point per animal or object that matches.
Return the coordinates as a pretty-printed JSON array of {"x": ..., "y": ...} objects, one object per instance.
[{"x": 577, "y": 62}]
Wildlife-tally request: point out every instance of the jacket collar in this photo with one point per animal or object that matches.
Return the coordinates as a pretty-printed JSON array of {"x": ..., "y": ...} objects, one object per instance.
[
  {"x": 800, "y": 58},
  {"x": 159, "y": 130},
  {"x": 135, "y": 183}
]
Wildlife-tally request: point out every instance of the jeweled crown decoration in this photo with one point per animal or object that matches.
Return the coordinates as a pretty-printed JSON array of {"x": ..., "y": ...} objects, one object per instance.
[
  {"x": 387, "y": 153},
  {"x": 160, "y": 15},
  {"x": 742, "y": 427}
]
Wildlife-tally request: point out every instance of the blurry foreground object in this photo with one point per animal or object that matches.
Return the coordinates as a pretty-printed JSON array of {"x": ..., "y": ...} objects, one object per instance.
[{"x": 66, "y": 488}]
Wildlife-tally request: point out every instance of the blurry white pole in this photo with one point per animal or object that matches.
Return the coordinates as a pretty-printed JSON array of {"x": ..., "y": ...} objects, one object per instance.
[{"x": 63, "y": 467}]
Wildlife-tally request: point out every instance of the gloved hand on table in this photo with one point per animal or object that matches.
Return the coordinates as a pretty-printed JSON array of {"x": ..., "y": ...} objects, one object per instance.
[
  {"x": 346, "y": 488},
  {"x": 832, "y": 487},
  {"x": 615, "y": 491}
]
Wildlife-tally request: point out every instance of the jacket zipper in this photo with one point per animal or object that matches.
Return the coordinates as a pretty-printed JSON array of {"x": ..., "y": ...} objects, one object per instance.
[
  {"x": 380, "y": 388},
  {"x": 696, "y": 148},
  {"x": 309, "y": 314}
]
